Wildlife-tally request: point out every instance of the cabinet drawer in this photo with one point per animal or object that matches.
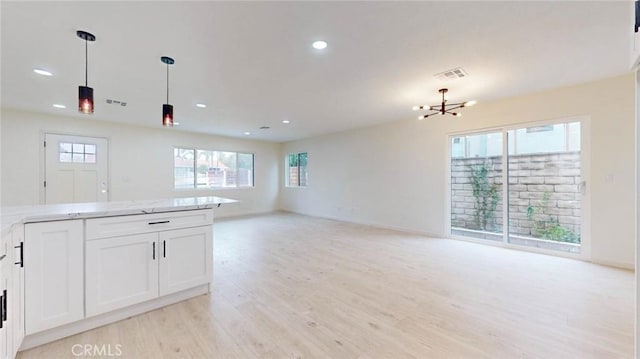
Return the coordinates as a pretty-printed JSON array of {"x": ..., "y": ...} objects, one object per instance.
[{"x": 144, "y": 223}]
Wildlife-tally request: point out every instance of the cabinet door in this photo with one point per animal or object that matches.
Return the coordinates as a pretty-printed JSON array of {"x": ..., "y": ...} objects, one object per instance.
[
  {"x": 121, "y": 271},
  {"x": 5, "y": 333},
  {"x": 17, "y": 293},
  {"x": 54, "y": 281},
  {"x": 187, "y": 258}
]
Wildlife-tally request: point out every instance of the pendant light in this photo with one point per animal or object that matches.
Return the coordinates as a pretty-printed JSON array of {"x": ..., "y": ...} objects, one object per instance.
[
  {"x": 85, "y": 93},
  {"x": 444, "y": 107},
  {"x": 167, "y": 109}
]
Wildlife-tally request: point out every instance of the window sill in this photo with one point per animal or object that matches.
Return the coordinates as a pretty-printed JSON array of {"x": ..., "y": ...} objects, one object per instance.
[{"x": 213, "y": 189}]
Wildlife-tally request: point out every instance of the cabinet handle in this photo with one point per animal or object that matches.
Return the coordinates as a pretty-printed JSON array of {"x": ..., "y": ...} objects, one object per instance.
[
  {"x": 21, "y": 263},
  {"x": 164, "y": 249},
  {"x": 154, "y": 251},
  {"x": 4, "y": 305},
  {"x": 1, "y": 310},
  {"x": 159, "y": 222}
]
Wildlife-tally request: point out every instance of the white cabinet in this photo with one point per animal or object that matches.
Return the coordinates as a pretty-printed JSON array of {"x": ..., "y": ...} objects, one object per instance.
[
  {"x": 5, "y": 332},
  {"x": 11, "y": 293},
  {"x": 54, "y": 268},
  {"x": 121, "y": 271},
  {"x": 16, "y": 292},
  {"x": 133, "y": 259},
  {"x": 187, "y": 258}
]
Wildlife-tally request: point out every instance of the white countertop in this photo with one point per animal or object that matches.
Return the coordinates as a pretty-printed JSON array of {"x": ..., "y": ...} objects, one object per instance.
[{"x": 56, "y": 212}]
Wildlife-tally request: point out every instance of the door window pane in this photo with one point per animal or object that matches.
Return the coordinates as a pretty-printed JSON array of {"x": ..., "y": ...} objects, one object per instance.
[
  {"x": 544, "y": 187},
  {"x": 65, "y": 147},
  {"x": 78, "y": 148},
  {"x": 476, "y": 186},
  {"x": 78, "y": 157},
  {"x": 77, "y": 152}
]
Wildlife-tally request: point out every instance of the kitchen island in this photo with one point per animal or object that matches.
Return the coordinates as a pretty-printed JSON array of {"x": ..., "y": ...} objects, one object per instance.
[{"x": 74, "y": 267}]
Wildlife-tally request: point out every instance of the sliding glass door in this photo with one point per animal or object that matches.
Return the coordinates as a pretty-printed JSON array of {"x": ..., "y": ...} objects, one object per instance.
[
  {"x": 535, "y": 170},
  {"x": 545, "y": 186},
  {"x": 476, "y": 186}
]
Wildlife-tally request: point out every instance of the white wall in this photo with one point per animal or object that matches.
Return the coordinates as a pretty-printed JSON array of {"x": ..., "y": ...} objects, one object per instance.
[
  {"x": 394, "y": 175},
  {"x": 140, "y": 161},
  {"x": 637, "y": 122}
]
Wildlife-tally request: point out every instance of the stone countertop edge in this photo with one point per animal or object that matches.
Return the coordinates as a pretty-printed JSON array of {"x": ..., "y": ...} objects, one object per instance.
[{"x": 58, "y": 212}]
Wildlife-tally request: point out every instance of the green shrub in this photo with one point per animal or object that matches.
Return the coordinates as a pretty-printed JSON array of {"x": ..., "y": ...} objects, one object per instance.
[
  {"x": 548, "y": 227},
  {"x": 486, "y": 196}
]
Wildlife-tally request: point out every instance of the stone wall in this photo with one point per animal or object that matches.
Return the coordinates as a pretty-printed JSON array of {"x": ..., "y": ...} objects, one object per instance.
[{"x": 530, "y": 177}]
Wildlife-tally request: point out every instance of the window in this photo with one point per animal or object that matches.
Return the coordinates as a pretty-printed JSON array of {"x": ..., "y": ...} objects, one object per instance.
[
  {"x": 195, "y": 168},
  {"x": 559, "y": 137},
  {"x": 297, "y": 175},
  {"x": 538, "y": 174},
  {"x": 77, "y": 152}
]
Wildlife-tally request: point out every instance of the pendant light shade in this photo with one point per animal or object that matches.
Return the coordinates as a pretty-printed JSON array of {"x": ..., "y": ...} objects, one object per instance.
[
  {"x": 85, "y": 99},
  {"x": 167, "y": 115},
  {"x": 85, "y": 93},
  {"x": 167, "y": 109}
]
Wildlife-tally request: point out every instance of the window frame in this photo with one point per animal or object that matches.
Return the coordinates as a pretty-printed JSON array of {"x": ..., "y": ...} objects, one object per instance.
[
  {"x": 194, "y": 167},
  {"x": 288, "y": 171},
  {"x": 585, "y": 130}
]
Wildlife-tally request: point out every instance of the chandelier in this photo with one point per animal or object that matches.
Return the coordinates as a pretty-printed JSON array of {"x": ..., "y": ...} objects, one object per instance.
[{"x": 444, "y": 107}]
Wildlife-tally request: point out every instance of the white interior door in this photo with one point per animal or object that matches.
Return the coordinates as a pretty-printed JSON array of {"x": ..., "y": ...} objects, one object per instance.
[{"x": 76, "y": 169}]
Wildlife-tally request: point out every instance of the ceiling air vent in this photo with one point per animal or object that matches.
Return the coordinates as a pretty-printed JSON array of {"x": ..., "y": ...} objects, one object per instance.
[
  {"x": 452, "y": 74},
  {"x": 116, "y": 102}
]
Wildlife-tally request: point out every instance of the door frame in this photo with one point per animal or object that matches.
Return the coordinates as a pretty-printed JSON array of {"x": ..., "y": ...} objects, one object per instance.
[
  {"x": 585, "y": 174},
  {"x": 43, "y": 161}
]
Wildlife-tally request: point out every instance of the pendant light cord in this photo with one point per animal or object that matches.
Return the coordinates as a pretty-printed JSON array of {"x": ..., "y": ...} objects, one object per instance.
[
  {"x": 86, "y": 63},
  {"x": 167, "y": 84}
]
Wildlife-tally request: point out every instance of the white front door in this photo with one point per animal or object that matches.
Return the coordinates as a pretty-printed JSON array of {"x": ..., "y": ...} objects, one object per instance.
[{"x": 75, "y": 169}]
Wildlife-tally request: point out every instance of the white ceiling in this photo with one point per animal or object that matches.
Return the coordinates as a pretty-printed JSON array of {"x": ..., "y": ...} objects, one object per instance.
[{"x": 252, "y": 63}]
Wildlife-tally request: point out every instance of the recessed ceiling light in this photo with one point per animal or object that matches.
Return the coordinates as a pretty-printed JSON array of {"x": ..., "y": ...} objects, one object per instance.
[
  {"x": 247, "y": 133},
  {"x": 201, "y": 105},
  {"x": 56, "y": 105},
  {"x": 319, "y": 45},
  {"x": 286, "y": 121},
  {"x": 42, "y": 72}
]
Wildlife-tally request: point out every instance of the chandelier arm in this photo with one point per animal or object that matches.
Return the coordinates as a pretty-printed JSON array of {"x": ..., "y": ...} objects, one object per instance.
[{"x": 453, "y": 108}]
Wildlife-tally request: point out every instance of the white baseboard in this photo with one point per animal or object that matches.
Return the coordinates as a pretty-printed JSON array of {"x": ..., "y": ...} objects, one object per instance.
[
  {"x": 369, "y": 224},
  {"x": 83, "y": 325},
  {"x": 629, "y": 266}
]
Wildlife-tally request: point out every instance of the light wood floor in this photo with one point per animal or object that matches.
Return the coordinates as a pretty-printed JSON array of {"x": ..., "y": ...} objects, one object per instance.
[{"x": 289, "y": 286}]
